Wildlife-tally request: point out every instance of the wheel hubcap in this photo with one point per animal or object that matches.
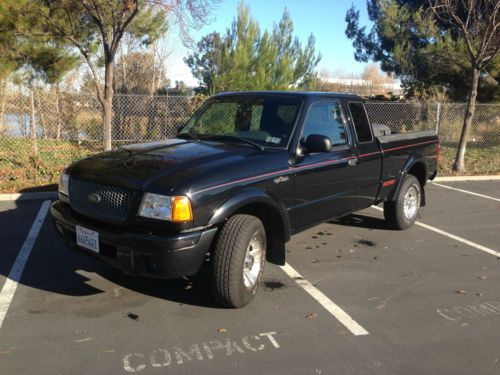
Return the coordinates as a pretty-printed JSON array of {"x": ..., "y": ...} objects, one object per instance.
[
  {"x": 411, "y": 203},
  {"x": 253, "y": 261}
]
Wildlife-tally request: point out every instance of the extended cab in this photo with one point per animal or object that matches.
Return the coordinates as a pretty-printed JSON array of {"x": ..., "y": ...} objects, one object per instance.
[{"x": 247, "y": 171}]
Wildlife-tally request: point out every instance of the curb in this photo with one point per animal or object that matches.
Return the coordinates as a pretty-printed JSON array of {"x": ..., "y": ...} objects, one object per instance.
[
  {"x": 28, "y": 196},
  {"x": 467, "y": 178}
]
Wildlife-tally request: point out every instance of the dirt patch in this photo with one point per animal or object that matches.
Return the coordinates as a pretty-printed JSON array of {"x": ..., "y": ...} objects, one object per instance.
[
  {"x": 364, "y": 242},
  {"x": 273, "y": 285}
]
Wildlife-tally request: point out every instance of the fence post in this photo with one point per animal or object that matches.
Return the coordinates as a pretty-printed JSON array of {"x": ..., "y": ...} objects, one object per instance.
[
  {"x": 438, "y": 116},
  {"x": 3, "y": 101},
  {"x": 33, "y": 120}
]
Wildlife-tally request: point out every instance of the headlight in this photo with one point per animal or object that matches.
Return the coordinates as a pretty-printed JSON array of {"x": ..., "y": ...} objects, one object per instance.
[
  {"x": 64, "y": 184},
  {"x": 164, "y": 207}
]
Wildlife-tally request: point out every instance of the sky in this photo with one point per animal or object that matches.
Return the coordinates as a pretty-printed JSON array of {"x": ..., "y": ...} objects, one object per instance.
[{"x": 323, "y": 18}]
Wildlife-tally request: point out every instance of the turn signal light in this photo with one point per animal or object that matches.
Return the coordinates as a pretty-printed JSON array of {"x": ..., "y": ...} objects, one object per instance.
[{"x": 181, "y": 209}]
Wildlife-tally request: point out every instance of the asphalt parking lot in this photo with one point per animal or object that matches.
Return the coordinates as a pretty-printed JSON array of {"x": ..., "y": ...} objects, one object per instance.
[{"x": 421, "y": 301}]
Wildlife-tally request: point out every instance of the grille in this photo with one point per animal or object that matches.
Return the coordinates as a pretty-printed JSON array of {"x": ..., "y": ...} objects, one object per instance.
[{"x": 114, "y": 203}]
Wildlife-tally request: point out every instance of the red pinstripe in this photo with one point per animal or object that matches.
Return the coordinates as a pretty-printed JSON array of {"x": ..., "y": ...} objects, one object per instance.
[
  {"x": 327, "y": 162},
  {"x": 415, "y": 144}
]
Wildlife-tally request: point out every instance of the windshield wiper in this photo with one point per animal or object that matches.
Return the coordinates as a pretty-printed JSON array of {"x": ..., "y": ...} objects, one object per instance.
[
  {"x": 187, "y": 135},
  {"x": 225, "y": 137}
]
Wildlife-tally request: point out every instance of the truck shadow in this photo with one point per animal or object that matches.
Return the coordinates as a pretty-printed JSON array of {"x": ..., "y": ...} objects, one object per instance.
[
  {"x": 54, "y": 268},
  {"x": 362, "y": 221},
  {"x": 192, "y": 290}
]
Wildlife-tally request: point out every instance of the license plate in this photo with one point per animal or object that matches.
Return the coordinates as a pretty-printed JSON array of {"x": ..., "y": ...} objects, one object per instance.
[{"x": 87, "y": 238}]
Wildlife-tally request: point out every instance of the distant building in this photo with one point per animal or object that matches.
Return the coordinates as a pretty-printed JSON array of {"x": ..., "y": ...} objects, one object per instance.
[{"x": 360, "y": 86}]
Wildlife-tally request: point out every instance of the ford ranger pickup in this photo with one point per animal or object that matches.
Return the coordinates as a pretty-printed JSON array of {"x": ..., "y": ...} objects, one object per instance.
[{"x": 247, "y": 171}]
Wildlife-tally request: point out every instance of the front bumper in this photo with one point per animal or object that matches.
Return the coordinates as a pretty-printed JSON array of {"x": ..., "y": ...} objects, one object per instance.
[{"x": 138, "y": 252}]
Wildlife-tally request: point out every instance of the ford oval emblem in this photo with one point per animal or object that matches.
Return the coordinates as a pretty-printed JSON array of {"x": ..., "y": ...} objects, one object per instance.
[{"x": 94, "y": 198}]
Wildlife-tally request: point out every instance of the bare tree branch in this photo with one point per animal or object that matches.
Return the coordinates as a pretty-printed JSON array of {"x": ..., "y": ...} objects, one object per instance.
[
  {"x": 86, "y": 56},
  {"x": 121, "y": 29}
]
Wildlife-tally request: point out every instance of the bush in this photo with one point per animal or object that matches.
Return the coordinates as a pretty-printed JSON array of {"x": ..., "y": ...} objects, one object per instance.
[{"x": 20, "y": 170}]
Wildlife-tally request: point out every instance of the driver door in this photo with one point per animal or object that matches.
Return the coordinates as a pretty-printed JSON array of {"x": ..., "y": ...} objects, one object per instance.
[{"x": 325, "y": 183}]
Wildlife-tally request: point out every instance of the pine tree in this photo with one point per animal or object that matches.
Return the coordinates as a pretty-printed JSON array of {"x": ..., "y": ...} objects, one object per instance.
[{"x": 246, "y": 59}]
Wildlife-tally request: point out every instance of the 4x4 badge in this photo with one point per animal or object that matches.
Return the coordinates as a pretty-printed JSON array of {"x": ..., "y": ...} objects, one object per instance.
[{"x": 277, "y": 180}]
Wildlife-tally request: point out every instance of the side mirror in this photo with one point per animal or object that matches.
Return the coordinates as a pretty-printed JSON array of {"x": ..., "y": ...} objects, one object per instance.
[{"x": 316, "y": 143}]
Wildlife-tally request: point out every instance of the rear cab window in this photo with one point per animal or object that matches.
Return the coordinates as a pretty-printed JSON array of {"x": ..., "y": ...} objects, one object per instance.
[{"x": 360, "y": 121}]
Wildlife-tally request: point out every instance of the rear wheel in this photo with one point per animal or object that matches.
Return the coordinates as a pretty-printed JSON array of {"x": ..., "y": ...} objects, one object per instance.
[
  {"x": 238, "y": 260},
  {"x": 402, "y": 212}
]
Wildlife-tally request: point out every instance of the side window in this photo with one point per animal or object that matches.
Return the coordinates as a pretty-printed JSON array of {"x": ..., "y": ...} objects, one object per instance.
[
  {"x": 361, "y": 124},
  {"x": 325, "y": 118}
]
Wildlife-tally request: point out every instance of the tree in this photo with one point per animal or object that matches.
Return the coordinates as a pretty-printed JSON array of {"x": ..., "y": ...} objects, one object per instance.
[
  {"x": 93, "y": 25},
  {"x": 180, "y": 89},
  {"x": 7, "y": 64},
  {"x": 140, "y": 67},
  {"x": 206, "y": 61},
  {"x": 138, "y": 73},
  {"x": 372, "y": 73},
  {"x": 88, "y": 24},
  {"x": 239, "y": 54},
  {"x": 42, "y": 59},
  {"x": 246, "y": 59},
  {"x": 375, "y": 79},
  {"x": 427, "y": 54},
  {"x": 292, "y": 63},
  {"x": 478, "y": 22}
]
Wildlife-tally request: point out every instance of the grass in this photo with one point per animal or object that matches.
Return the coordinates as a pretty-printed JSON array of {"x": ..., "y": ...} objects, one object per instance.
[
  {"x": 20, "y": 171},
  {"x": 478, "y": 161}
]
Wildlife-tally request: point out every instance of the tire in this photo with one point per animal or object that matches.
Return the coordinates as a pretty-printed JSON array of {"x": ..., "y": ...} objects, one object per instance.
[
  {"x": 396, "y": 214},
  {"x": 237, "y": 272}
]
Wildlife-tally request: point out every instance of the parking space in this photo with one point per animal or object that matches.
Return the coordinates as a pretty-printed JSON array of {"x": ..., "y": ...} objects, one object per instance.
[
  {"x": 473, "y": 217},
  {"x": 15, "y": 222},
  {"x": 430, "y": 304},
  {"x": 488, "y": 188}
]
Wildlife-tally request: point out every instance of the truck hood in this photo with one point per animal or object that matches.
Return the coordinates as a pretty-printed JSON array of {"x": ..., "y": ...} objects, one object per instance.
[{"x": 165, "y": 163}]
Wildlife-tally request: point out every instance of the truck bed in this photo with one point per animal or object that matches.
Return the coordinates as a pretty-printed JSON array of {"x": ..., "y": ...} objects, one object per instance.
[
  {"x": 401, "y": 150},
  {"x": 395, "y": 137}
]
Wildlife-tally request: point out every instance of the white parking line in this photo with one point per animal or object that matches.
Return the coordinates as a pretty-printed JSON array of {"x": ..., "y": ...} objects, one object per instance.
[
  {"x": 10, "y": 286},
  {"x": 326, "y": 302},
  {"x": 452, "y": 236},
  {"x": 468, "y": 192}
]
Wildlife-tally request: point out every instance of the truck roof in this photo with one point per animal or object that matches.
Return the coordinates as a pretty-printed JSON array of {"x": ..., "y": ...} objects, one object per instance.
[{"x": 301, "y": 94}]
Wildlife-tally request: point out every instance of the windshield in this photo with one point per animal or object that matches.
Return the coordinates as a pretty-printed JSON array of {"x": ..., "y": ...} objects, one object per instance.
[{"x": 265, "y": 121}]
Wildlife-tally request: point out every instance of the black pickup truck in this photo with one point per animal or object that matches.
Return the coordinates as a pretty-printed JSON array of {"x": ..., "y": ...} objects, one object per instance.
[{"x": 246, "y": 172}]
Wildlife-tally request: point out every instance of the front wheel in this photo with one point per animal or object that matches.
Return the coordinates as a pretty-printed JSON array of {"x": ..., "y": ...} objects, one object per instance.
[
  {"x": 238, "y": 260},
  {"x": 402, "y": 212}
]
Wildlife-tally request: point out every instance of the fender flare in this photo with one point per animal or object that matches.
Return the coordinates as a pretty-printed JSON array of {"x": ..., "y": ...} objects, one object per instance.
[
  {"x": 247, "y": 197},
  {"x": 412, "y": 160}
]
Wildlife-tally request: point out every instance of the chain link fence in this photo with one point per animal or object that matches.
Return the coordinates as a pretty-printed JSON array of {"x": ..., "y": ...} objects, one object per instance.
[
  {"x": 77, "y": 118},
  {"x": 446, "y": 118},
  {"x": 42, "y": 132},
  {"x": 483, "y": 146}
]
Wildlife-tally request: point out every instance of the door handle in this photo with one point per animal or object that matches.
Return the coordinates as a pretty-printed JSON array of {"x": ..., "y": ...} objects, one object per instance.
[{"x": 352, "y": 162}]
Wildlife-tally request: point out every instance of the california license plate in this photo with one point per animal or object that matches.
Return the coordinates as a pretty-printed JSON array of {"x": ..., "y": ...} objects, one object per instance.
[{"x": 87, "y": 238}]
